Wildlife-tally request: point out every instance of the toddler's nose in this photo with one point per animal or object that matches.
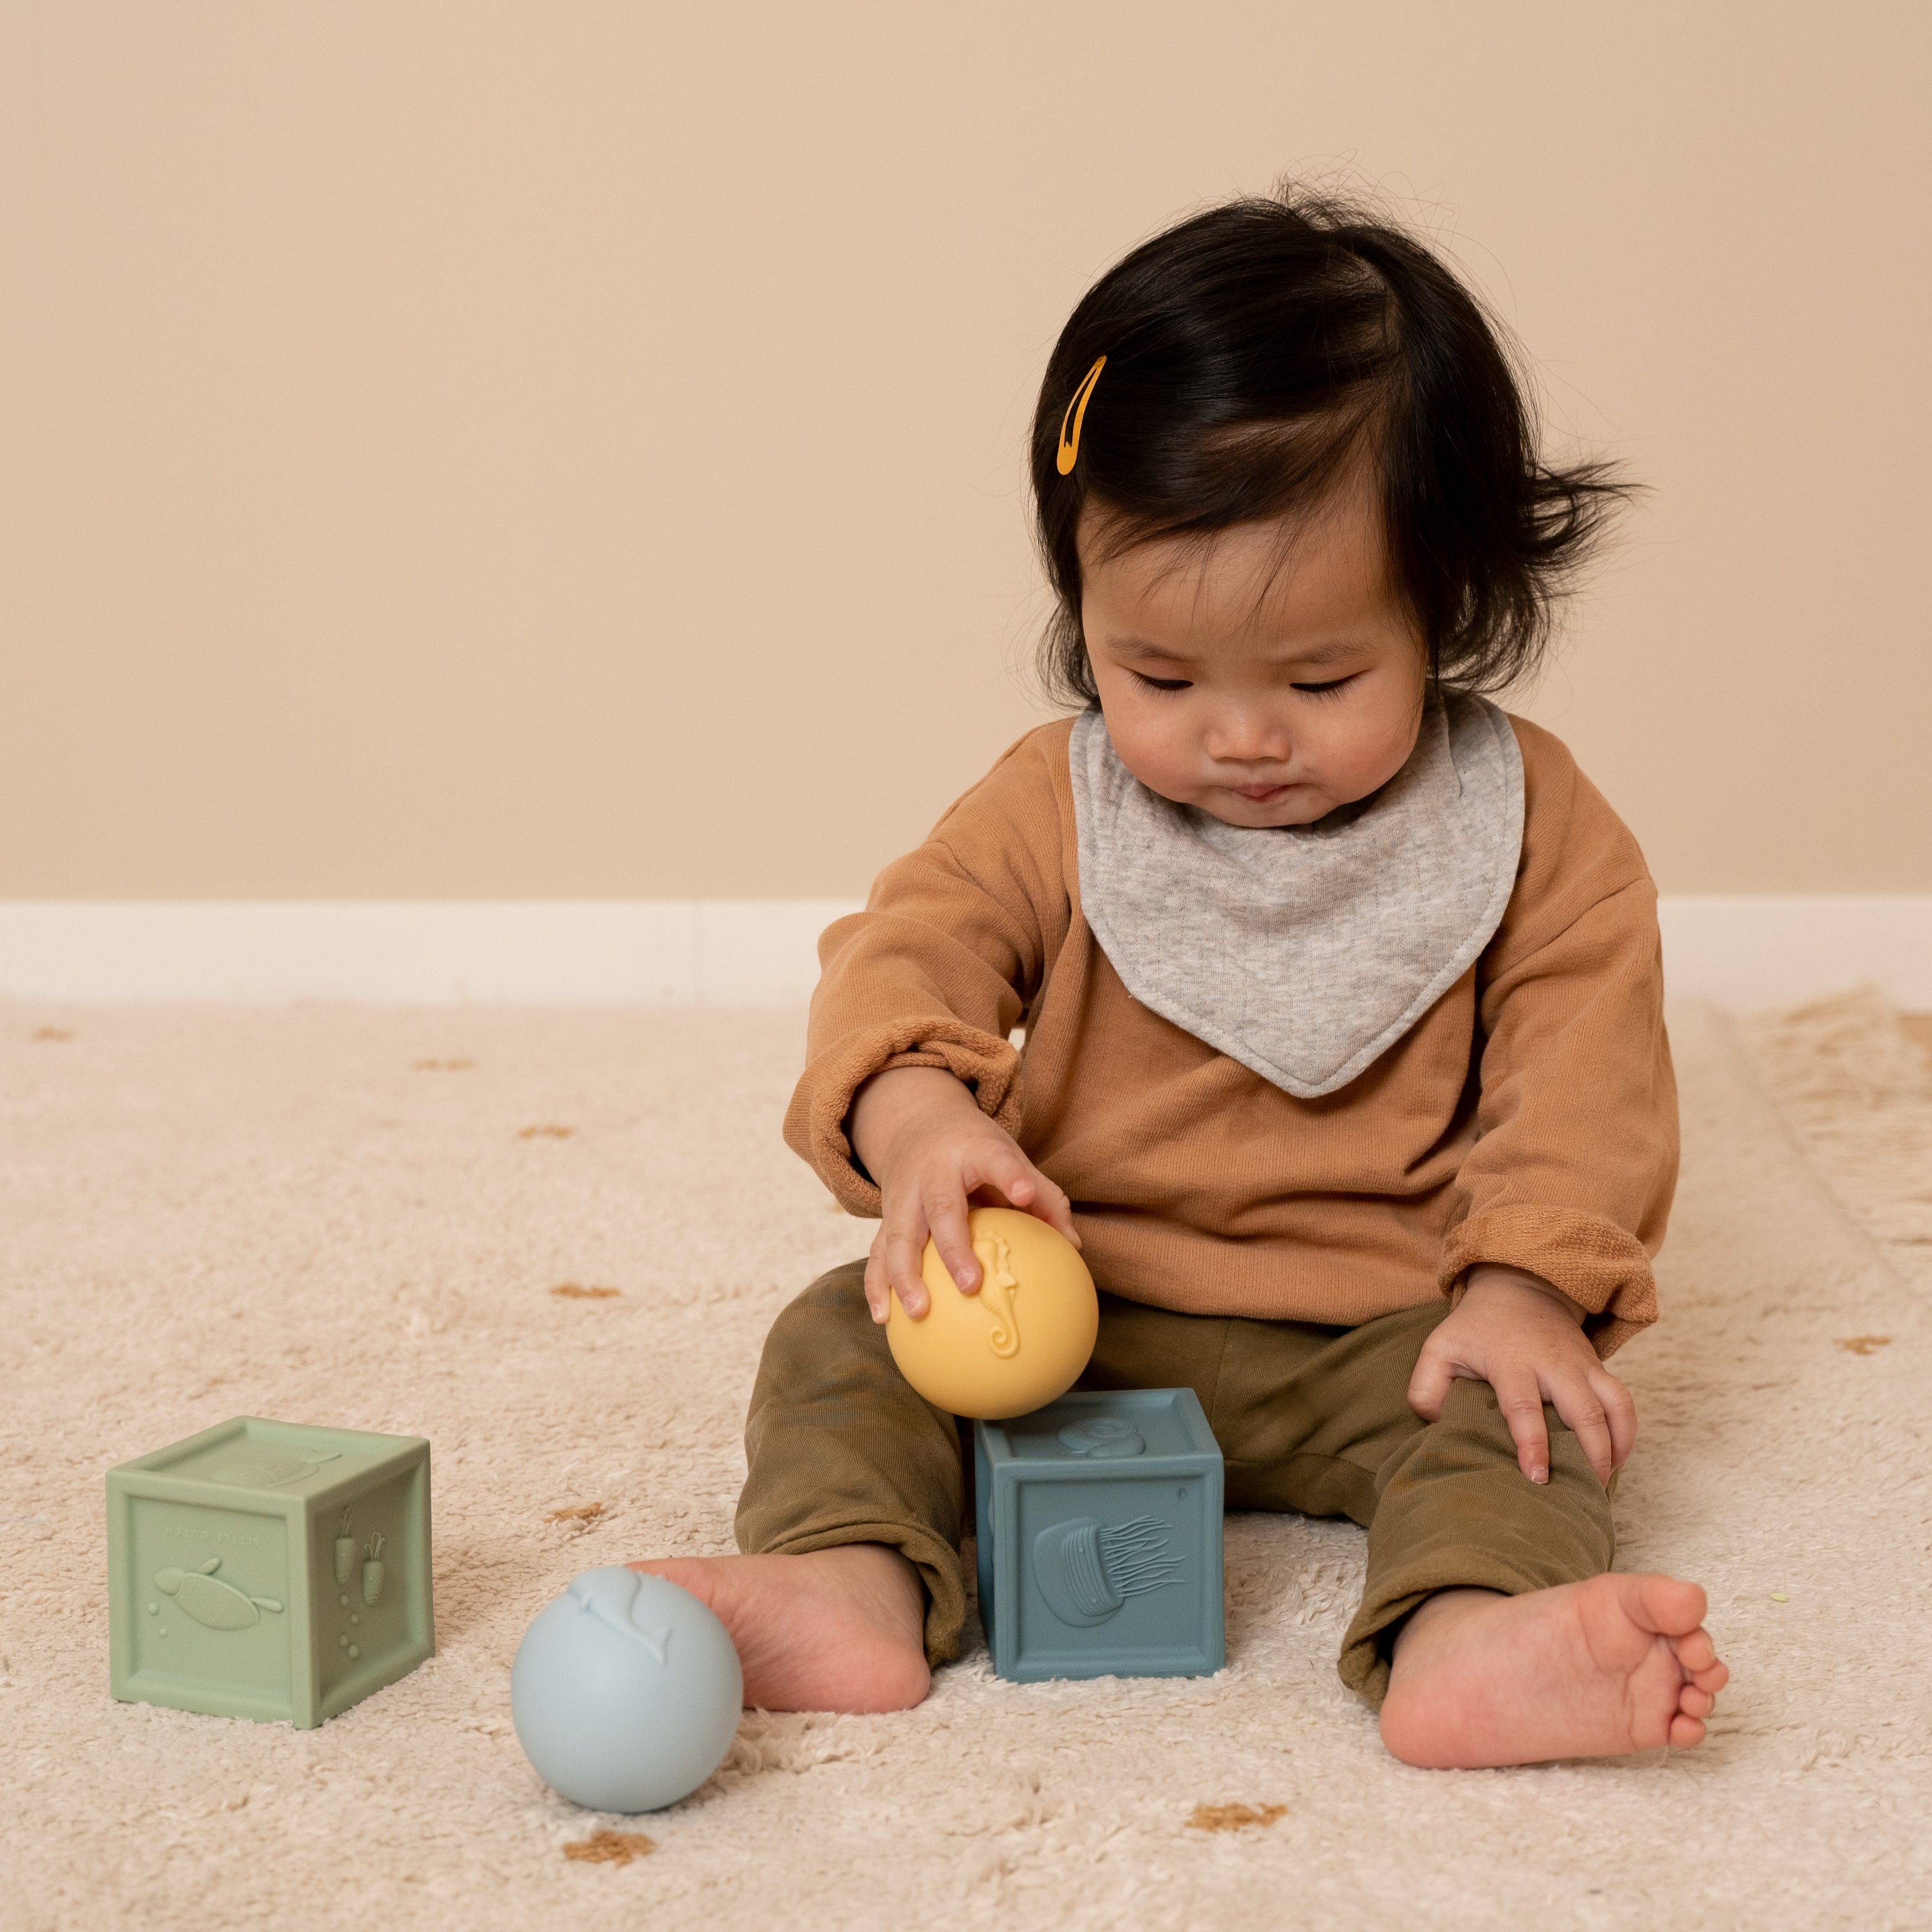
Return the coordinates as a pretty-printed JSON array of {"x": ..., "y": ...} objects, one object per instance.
[{"x": 1243, "y": 739}]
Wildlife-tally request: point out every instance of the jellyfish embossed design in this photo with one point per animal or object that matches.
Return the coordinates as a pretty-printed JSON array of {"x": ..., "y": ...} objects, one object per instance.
[{"x": 1087, "y": 1571}]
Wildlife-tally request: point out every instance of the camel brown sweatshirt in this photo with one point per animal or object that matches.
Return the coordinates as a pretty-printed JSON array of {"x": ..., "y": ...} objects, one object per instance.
[{"x": 1529, "y": 1117}]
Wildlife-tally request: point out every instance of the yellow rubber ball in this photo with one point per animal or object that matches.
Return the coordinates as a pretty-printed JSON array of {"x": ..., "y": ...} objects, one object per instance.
[{"x": 1018, "y": 1342}]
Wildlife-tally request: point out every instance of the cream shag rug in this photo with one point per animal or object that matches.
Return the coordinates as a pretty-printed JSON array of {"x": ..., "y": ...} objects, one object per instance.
[{"x": 347, "y": 1217}]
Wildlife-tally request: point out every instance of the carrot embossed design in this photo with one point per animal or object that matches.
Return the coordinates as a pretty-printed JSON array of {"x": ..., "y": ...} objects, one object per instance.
[{"x": 372, "y": 1570}]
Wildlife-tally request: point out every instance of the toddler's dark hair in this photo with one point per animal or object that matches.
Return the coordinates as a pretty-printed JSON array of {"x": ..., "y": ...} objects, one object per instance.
[{"x": 1253, "y": 353}]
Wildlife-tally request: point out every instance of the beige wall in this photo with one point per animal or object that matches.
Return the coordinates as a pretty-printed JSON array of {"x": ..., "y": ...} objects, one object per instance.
[{"x": 573, "y": 449}]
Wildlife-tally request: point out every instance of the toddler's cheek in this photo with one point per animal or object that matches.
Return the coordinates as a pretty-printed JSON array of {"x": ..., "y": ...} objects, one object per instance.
[
  {"x": 1158, "y": 778},
  {"x": 1169, "y": 763}
]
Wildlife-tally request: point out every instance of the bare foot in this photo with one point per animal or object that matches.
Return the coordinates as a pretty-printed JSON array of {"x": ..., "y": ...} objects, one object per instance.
[
  {"x": 838, "y": 1629},
  {"x": 1592, "y": 1669}
]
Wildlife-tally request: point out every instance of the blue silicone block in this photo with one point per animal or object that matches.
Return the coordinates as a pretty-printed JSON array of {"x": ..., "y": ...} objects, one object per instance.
[{"x": 1099, "y": 1520}]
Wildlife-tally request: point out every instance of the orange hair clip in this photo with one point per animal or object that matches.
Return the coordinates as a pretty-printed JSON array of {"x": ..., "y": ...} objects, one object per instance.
[{"x": 1076, "y": 414}]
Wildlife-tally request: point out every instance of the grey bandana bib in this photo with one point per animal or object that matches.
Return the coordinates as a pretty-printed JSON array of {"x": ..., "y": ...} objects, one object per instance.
[{"x": 1305, "y": 952}]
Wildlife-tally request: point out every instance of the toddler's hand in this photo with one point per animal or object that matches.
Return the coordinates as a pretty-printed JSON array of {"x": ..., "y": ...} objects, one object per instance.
[
  {"x": 1525, "y": 1339},
  {"x": 924, "y": 1140}
]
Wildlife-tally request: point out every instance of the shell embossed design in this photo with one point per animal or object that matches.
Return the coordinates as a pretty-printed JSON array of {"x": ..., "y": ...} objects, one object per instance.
[
  {"x": 999, "y": 1286},
  {"x": 1103, "y": 1438},
  {"x": 212, "y": 1599}
]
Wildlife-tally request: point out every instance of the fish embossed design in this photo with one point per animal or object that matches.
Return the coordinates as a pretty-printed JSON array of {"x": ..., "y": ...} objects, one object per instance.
[
  {"x": 999, "y": 1285},
  {"x": 212, "y": 1599}
]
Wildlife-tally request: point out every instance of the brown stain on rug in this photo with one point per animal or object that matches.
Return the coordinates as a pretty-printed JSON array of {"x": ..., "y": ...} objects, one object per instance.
[
  {"x": 546, "y": 1130},
  {"x": 571, "y": 1290},
  {"x": 586, "y": 1513},
  {"x": 1233, "y": 1817},
  {"x": 52, "y": 1033},
  {"x": 444, "y": 1066},
  {"x": 1863, "y": 1344},
  {"x": 610, "y": 1848}
]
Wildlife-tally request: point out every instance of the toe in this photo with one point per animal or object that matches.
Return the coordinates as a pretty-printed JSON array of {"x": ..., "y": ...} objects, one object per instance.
[
  {"x": 1695, "y": 1651},
  {"x": 1713, "y": 1678},
  {"x": 1672, "y": 1608},
  {"x": 1685, "y": 1732},
  {"x": 1694, "y": 1702}
]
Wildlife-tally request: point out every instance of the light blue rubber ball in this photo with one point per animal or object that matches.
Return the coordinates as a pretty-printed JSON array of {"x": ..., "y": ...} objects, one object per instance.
[{"x": 625, "y": 1692}]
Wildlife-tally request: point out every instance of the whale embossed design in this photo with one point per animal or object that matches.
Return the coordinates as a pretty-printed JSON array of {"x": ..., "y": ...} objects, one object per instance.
[
  {"x": 265, "y": 1472},
  {"x": 609, "y": 1595},
  {"x": 999, "y": 1285},
  {"x": 212, "y": 1599}
]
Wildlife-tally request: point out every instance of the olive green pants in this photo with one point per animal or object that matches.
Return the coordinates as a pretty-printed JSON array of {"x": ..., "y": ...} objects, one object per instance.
[{"x": 1308, "y": 1417}]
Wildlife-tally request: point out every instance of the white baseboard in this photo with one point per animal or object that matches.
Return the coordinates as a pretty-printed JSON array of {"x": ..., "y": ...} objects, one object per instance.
[
  {"x": 1745, "y": 951},
  {"x": 727, "y": 952},
  {"x": 1742, "y": 952}
]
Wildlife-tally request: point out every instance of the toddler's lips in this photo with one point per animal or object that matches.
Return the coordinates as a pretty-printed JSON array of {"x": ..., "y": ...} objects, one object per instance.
[{"x": 1261, "y": 794}]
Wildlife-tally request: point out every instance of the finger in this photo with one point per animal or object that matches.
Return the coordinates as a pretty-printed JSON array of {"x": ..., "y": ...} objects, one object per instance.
[
  {"x": 1022, "y": 1185},
  {"x": 905, "y": 1243},
  {"x": 878, "y": 1289},
  {"x": 1012, "y": 1174},
  {"x": 1575, "y": 1400},
  {"x": 1053, "y": 1208},
  {"x": 952, "y": 1235},
  {"x": 1521, "y": 1401},
  {"x": 1620, "y": 1406},
  {"x": 1434, "y": 1373}
]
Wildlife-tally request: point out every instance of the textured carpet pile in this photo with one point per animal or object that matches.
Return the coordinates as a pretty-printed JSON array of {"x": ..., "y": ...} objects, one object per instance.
[{"x": 552, "y": 1242}]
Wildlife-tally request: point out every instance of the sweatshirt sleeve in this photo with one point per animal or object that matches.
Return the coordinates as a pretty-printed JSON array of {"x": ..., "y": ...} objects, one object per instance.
[
  {"x": 941, "y": 965},
  {"x": 1572, "y": 1175}
]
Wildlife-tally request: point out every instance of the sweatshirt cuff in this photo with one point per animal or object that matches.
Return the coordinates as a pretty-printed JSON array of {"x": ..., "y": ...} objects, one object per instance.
[
  {"x": 814, "y": 1128},
  {"x": 1603, "y": 1267}
]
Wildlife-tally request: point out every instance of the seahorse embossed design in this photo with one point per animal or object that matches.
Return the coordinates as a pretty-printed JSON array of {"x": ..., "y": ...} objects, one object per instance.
[{"x": 999, "y": 1285}]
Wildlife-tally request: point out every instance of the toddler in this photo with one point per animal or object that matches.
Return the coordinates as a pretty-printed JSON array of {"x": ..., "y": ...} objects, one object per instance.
[{"x": 1344, "y": 1059}]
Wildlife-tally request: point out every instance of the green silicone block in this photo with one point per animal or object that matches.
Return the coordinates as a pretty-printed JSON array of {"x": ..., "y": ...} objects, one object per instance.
[{"x": 269, "y": 1570}]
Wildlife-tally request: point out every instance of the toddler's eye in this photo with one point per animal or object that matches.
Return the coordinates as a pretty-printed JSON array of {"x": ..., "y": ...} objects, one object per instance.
[
  {"x": 1161, "y": 683},
  {"x": 1327, "y": 690}
]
